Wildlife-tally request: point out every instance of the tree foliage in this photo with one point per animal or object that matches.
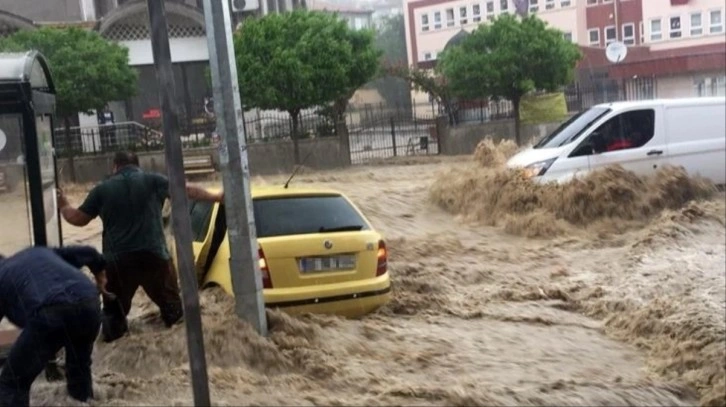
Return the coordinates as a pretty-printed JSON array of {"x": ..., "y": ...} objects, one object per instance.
[
  {"x": 87, "y": 70},
  {"x": 301, "y": 59},
  {"x": 509, "y": 58},
  {"x": 427, "y": 81},
  {"x": 362, "y": 67}
]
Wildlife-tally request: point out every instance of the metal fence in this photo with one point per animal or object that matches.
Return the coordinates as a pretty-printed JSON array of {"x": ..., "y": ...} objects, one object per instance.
[
  {"x": 104, "y": 138},
  {"x": 374, "y": 130},
  {"x": 385, "y": 133}
]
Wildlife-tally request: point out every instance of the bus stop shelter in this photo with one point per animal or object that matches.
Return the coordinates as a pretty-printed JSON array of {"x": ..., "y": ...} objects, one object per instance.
[{"x": 28, "y": 179}]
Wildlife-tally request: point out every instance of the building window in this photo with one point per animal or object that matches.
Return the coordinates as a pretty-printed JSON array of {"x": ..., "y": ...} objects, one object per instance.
[
  {"x": 450, "y": 17},
  {"x": 696, "y": 24},
  {"x": 427, "y": 56},
  {"x": 490, "y": 7},
  {"x": 591, "y": 2},
  {"x": 424, "y": 22},
  {"x": 462, "y": 16},
  {"x": 642, "y": 33},
  {"x": 437, "y": 20},
  {"x": 675, "y": 28},
  {"x": 567, "y": 36},
  {"x": 656, "y": 30},
  {"x": 716, "y": 22},
  {"x": 533, "y": 6},
  {"x": 713, "y": 86},
  {"x": 611, "y": 34},
  {"x": 629, "y": 34},
  {"x": 476, "y": 13},
  {"x": 503, "y": 5},
  {"x": 607, "y": 1},
  {"x": 565, "y": 3},
  {"x": 594, "y": 36},
  {"x": 549, "y": 4}
]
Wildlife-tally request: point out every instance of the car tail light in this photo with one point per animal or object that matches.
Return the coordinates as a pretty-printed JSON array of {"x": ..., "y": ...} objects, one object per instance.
[
  {"x": 266, "y": 281},
  {"x": 382, "y": 259}
]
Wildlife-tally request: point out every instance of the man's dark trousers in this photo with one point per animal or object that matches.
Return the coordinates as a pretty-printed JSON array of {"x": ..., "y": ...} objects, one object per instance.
[
  {"x": 52, "y": 327},
  {"x": 158, "y": 279}
]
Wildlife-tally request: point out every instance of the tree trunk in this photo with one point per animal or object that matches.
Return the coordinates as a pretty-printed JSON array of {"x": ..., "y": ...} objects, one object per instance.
[
  {"x": 69, "y": 149},
  {"x": 339, "y": 108},
  {"x": 449, "y": 106},
  {"x": 517, "y": 124},
  {"x": 295, "y": 115}
]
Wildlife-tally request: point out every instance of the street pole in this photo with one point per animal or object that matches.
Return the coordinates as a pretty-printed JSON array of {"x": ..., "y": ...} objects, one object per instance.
[
  {"x": 243, "y": 263},
  {"x": 179, "y": 210}
]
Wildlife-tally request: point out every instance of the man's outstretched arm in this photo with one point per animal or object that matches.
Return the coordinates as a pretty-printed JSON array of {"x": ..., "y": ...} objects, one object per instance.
[
  {"x": 197, "y": 193},
  {"x": 194, "y": 192},
  {"x": 75, "y": 217},
  {"x": 80, "y": 256}
]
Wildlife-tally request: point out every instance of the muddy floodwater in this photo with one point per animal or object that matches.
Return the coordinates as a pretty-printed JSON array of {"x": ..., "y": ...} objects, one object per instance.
[{"x": 497, "y": 301}]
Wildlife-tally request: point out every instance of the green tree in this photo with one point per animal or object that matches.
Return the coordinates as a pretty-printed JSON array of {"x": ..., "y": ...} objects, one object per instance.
[
  {"x": 509, "y": 58},
  {"x": 360, "y": 69},
  {"x": 87, "y": 70},
  {"x": 427, "y": 81},
  {"x": 299, "y": 60}
]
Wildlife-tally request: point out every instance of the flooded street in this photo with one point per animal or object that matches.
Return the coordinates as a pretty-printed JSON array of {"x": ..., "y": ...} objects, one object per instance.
[{"x": 484, "y": 312}]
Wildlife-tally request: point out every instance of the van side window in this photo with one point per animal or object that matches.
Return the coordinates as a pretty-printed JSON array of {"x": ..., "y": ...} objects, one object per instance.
[{"x": 631, "y": 129}]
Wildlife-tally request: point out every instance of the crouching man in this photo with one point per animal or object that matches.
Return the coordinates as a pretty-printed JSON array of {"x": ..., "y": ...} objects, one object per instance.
[{"x": 43, "y": 292}]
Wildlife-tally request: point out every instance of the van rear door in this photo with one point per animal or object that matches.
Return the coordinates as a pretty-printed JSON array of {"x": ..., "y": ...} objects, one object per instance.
[
  {"x": 696, "y": 136},
  {"x": 634, "y": 139}
]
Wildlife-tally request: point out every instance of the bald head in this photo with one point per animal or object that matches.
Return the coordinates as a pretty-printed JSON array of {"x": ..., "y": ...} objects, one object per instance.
[{"x": 123, "y": 159}]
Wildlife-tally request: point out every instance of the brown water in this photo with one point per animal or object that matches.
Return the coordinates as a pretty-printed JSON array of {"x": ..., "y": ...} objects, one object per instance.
[{"x": 482, "y": 314}]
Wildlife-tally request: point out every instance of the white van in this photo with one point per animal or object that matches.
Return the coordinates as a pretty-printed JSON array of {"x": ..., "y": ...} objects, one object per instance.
[{"x": 640, "y": 136}]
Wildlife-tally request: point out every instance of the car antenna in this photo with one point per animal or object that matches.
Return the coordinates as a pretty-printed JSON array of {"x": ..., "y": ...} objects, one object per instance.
[{"x": 294, "y": 172}]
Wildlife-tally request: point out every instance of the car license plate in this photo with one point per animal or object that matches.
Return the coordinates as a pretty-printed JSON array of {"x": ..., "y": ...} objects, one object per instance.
[{"x": 327, "y": 263}]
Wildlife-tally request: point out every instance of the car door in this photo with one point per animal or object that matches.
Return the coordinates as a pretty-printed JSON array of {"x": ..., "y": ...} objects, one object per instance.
[
  {"x": 633, "y": 139},
  {"x": 205, "y": 225}
]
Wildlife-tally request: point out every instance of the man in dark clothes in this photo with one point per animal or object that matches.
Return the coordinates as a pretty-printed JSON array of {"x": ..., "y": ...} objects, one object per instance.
[
  {"x": 130, "y": 204},
  {"x": 43, "y": 292}
]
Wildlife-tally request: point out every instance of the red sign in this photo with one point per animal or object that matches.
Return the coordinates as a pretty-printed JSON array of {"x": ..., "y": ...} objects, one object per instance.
[{"x": 151, "y": 114}]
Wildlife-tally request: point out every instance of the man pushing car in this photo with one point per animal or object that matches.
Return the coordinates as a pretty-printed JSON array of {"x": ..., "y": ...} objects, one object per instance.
[{"x": 43, "y": 292}]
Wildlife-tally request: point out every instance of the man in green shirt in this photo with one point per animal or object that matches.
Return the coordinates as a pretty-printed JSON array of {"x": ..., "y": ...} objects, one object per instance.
[{"x": 129, "y": 204}]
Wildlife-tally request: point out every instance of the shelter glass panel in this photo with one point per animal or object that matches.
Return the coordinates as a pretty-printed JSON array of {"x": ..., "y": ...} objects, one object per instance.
[
  {"x": 15, "y": 217},
  {"x": 43, "y": 125}
]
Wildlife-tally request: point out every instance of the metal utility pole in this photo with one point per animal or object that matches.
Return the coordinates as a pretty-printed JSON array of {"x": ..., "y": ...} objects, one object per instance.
[
  {"x": 243, "y": 264},
  {"x": 179, "y": 210}
]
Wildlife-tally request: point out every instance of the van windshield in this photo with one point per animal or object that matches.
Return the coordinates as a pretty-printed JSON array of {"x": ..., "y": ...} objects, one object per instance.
[{"x": 571, "y": 129}]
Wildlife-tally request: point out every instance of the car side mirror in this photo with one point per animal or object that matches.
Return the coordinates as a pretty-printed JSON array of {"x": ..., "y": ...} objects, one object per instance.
[{"x": 583, "y": 150}]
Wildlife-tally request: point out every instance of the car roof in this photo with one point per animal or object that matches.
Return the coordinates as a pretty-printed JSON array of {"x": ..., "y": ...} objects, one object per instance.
[
  {"x": 698, "y": 101},
  {"x": 271, "y": 191}
]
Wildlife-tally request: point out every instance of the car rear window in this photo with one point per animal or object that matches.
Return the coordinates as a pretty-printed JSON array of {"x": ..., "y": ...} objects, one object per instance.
[{"x": 303, "y": 215}]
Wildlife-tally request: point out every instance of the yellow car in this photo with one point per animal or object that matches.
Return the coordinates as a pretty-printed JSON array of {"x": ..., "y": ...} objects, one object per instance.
[{"x": 317, "y": 251}]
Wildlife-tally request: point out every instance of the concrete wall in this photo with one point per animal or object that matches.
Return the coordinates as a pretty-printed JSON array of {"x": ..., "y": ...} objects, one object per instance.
[
  {"x": 264, "y": 159},
  {"x": 464, "y": 138}
]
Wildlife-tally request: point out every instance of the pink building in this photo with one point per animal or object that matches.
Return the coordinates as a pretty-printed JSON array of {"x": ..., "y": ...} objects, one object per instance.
[{"x": 677, "y": 48}]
